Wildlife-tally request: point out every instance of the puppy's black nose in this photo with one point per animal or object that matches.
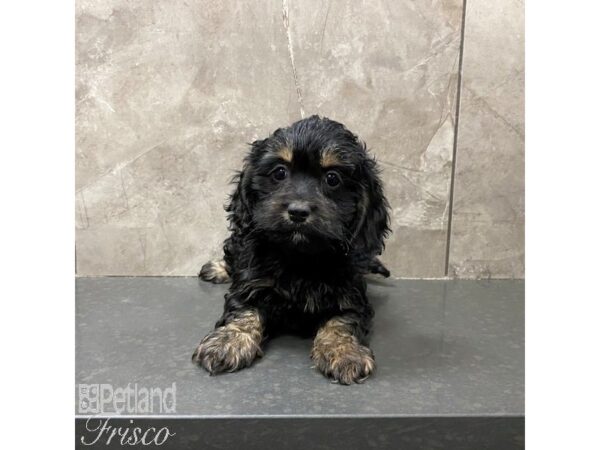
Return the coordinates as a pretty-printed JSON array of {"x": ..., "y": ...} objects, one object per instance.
[{"x": 298, "y": 211}]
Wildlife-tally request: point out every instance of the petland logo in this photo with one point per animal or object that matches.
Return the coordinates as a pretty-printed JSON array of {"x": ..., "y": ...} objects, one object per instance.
[{"x": 104, "y": 398}]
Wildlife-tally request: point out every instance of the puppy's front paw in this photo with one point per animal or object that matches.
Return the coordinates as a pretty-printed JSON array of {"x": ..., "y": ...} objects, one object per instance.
[
  {"x": 232, "y": 346},
  {"x": 215, "y": 272},
  {"x": 226, "y": 351},
  {"x": 343, "y": 359}
]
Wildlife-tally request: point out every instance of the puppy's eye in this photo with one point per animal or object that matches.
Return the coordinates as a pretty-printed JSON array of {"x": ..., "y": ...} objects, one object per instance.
[
  {"x": 279, "y": 173},
  {"x": 332, "y": 179}
]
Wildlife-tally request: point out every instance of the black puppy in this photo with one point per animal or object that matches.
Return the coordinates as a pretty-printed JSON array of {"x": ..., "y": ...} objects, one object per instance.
[{"x": 307, "y": 220}]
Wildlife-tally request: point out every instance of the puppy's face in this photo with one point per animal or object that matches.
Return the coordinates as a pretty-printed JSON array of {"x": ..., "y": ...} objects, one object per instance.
[
  {"x": 311, "y": 186},
  {"x": 308, "y": 197}
]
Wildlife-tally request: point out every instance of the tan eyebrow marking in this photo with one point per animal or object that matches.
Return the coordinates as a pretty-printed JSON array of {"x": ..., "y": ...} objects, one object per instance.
[
  {"x": 285, "y": 153},
  {"x": 329, "y": 158}
]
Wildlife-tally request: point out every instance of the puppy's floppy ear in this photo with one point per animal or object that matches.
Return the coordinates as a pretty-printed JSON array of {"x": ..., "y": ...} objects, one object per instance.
[
  {"x": 239, "y": 209},
  {"x": 241, "y": 201},
  {"x": 372, "y": 212}
]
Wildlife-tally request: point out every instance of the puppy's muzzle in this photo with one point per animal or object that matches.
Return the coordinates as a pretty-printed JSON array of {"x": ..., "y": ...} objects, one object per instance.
[{"x": 298, "y": 211}]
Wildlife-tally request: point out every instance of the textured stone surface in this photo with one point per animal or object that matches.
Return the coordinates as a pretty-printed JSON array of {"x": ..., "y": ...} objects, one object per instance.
[
  {"x": 488, "y": 218},
  {"x": 169, "y": 92},
  {"x": 450, "y": 372},
  {"x": 443, "y": 348}
]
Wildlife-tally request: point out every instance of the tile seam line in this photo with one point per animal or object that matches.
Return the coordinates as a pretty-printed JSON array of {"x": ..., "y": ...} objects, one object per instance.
[{"x": 455, "y": 141}]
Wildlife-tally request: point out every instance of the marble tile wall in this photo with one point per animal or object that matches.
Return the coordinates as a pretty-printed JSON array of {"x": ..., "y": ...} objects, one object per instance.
[
  {"x": 488, "y": 216},
  {"x": 169, "y": 92}
]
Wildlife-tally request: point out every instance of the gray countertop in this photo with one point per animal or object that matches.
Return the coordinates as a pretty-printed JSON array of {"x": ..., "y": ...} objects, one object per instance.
[{"x": 443, "y": 348}]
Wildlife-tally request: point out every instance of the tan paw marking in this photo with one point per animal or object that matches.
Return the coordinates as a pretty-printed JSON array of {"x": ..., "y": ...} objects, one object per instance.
[
  {"x": 339, "y": 355},
  {"x": 232, "y": 346},
  {"x": 215, "y": 272}
]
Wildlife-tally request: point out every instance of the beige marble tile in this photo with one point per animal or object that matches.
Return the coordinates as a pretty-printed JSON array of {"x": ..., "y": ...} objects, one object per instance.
[
  {"x": 168, "y": 95},
  {"x": 488, "y": 214},
  {"x": 169, "y": 92}
]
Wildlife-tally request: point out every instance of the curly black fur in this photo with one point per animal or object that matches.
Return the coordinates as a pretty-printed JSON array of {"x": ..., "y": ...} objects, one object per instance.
[{"x": 307, "y": 220}]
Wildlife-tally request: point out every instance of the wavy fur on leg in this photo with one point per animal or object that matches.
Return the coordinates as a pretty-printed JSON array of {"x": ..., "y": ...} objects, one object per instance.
[
  {"x": 338, "y": 354},
  {"x": 232, "y": 346}
]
